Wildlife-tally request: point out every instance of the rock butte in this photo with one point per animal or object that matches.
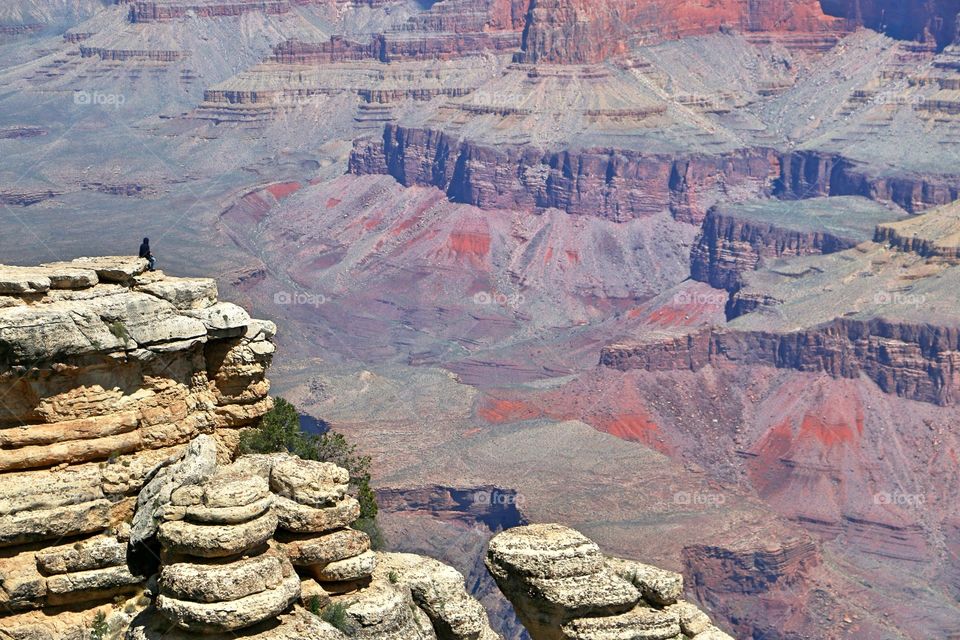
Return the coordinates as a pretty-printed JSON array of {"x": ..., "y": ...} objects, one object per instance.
[{"x": 124, "y": 394}]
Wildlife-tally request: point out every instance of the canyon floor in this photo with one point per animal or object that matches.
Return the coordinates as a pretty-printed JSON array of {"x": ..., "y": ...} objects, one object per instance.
[{"x": 698, "y": 300}]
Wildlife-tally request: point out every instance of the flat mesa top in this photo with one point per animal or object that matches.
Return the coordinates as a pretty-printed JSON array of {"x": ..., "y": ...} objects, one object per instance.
[
  {"x": 939, "y": 227},
  {"x": 850, "y": 217}
]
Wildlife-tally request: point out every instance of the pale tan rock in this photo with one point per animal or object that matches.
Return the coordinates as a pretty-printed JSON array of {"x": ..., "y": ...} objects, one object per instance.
[
  {"x": 545, "y": 551},
  {"x": 223, "y": 489},
  {"x": 387, "y": 612},
  {"x": 223, "y": 318},
  {"x": 219, "y": 515},
  {"x": 657, "y": 585},
  {"x": 183, "y": 293},
  {"x": 216, "y": 541},
  {"x": 641, "y": 623},
  {"x": 315, "y": 484},
  {"x": 712, "y": 633},
  {"x": 356, "y": 568},
  {"x": 95, "y": 553},
  {"x": 120, "y": 269},
  {"x": 612, "y": 599},
  {"x": 56, "y": 523},
  {"x": 692, "y": 620},
  {"x": 194, "y": 465},
  {"x": 440, "y": 591},
  {"x": 299, "y": 518},
  {"x": 309, "y": 550},
  {"x": 297, "y": 625},
  {"x": 224, "y": 582},
  {"x": 23, "y": 586},
  {"x": 585, "y": 595},
  {"x": 233, "y": 615},
  {"x": 91, "y": 585},
  {"x": 23, "y": 280},
  {"x": 81, "y": 429}
]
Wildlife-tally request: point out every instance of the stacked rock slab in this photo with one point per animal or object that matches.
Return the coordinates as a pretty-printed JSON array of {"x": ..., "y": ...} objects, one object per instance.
[
  {"x": 564, "y": 588},
  {"x": 219, "y": 573},
  {"x": 334, "y": 560},
  {"x": 316, "y": 514},
  {"x": 106, "y": 372}
]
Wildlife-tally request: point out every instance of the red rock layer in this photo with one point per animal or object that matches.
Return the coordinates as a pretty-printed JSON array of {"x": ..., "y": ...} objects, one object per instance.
[{"x": 587, "y": 31}]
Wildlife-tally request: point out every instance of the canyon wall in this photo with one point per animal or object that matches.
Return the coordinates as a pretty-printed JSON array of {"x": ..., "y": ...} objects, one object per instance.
[
  {"x": 928, "y": 21},
  {"x": 621, "y": 184},
  {"x": 920, "y": 362},
  {"x": 618, "y": 185}
]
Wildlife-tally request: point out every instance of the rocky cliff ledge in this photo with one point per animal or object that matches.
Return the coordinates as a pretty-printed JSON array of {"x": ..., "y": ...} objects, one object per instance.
[{"x": 125, "y": 511}]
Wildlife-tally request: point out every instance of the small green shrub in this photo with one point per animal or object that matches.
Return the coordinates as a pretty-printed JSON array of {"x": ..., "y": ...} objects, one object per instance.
[
  {"x": 99, "y": 629},
  {"x": 279, "y": 430},
  {"x": 336, "y": 616},
  {"x": 394, "y": 578},
  {"x": 313, "y": 605}
]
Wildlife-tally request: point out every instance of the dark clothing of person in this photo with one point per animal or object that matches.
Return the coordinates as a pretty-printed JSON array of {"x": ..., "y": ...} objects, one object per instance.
[{"x": 146, "y": 253}]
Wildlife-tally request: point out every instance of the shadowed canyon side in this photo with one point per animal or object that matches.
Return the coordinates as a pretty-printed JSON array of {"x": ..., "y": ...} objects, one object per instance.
[{"x": 678, "y": 275}]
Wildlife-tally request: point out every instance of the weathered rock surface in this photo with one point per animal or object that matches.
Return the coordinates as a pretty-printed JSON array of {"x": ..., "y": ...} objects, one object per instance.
[
  {"x": 564, "y": 589},
  {"x": 113, "y": 399}
]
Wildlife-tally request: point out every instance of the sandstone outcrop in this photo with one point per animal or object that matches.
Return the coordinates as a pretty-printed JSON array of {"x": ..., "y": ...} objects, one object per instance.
[
  {"x": 564, "y": 588},
  {"x": 228, "y": 568},
  {"x": 107, "y": 372}
]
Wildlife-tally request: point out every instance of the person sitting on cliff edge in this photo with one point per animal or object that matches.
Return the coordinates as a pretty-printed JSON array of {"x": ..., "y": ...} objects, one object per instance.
[{"x": 146, "y": 253}]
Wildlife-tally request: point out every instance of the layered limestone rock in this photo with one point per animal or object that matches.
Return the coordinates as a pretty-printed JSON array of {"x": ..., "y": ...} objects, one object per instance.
[
  {"x": 564, "y": 588},
  {"x": 107, "y": 372},
  {"x": 228, "y": 569}
]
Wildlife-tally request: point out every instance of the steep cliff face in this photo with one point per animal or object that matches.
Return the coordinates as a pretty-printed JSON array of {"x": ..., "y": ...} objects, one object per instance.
[
  {"x": 580, "y": 31},
  {"x": 147, "y": 11},
  {"x": 916, "y": 361},
  {"x": 930, "y": 21},
  {"x": 737, "y": 238},
  {"x": 618, "y": 185},
  {"x": 623, "y": 184}
]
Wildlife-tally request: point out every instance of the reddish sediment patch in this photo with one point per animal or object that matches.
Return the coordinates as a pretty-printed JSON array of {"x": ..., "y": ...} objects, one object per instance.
[
  {"x": 506, "y": 410},
  {"x": 283, "y": 190},
  {"x": 470, "y": 244},
  {"x": 633, "y": 427}
]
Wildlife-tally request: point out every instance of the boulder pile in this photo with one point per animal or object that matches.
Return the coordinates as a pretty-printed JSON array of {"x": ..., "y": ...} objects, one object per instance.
[{"x": 264, "y": 548}]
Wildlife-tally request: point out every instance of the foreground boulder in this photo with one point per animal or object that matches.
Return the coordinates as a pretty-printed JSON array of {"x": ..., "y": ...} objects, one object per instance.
[{"x": 564, "y": 588}]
